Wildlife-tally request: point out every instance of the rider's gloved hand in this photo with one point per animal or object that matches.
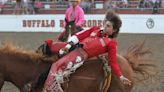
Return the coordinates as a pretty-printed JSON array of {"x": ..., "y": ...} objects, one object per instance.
[
  {"x": 124, "y": 80},
  {"x": 65, "y": 49},
  {"x": 71, "y": 41}
]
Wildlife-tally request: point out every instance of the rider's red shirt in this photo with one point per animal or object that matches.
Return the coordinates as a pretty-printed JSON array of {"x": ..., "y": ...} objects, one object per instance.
[{"x": 95, "y": 45}]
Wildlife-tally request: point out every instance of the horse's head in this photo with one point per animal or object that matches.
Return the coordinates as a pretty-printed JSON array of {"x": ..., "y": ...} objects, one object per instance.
[
  {"x": 70, "y": 27},
  {"x": 44, "y": 50},
  {"x": 50, "y": 48},
  {"x": 47, "y": 55}
]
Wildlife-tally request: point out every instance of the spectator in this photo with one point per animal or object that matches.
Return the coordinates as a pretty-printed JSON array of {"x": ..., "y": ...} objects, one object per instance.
[
  {"x": 148, "y": 3},
  {"x": 3, "y": 2},
  {"x": 116, "y": 5},
  {"x": 1, "y": 6},
  {"x": 125, "y": 3},
  {"x": 162, "y": 3},
  {"x": 60, "y": 2},
  {"x": 25, "y": 6},
  {"x": 37, "y": 6},
  {"x": 108, "y": 4},
  {"x": 141, "y": 4},
  {"x": 86, "y": 5},
  {"x": 31, "y": 8},
  {"x": 18, "y": 6},
  {"x": 0, "y": 10},
  {"x": 155, "y": 8}
]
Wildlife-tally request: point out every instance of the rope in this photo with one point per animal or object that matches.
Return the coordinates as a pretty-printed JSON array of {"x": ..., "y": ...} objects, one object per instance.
[
  {"x": 107, "y": 73},
  {"x": 106, "y": 84}
]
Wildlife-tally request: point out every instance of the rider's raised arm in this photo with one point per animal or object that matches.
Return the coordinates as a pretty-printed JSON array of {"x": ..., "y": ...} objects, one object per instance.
[{"x": 112, "y": 49}]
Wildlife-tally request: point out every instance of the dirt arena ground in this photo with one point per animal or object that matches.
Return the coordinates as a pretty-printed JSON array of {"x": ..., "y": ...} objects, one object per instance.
[{"x": 31, "y": 41}]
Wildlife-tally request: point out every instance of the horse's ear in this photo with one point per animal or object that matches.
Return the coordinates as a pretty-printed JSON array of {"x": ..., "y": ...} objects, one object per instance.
[
  {"x": 66, "y": 20},
  {"x": 73, "y": 21},
  {"x": 40, "y": 49},
  {"x": 44, "y": 49}
]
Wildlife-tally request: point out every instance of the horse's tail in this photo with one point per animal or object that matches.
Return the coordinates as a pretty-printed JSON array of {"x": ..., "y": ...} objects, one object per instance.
[{"x": 135, "y": 56}]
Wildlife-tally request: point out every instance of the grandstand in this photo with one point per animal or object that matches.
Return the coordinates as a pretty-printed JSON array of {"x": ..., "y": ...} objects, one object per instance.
[{"x": 96, "y": 7}]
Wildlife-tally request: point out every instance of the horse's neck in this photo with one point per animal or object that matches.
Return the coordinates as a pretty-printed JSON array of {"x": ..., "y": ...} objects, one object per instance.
[
  {"x": 69, "y": 36},
  {"x": 69, "y": 32},
  {"x": 71, "y": 28}
]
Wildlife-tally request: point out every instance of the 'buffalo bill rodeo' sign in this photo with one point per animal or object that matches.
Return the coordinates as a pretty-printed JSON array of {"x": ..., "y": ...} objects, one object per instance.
[{"x": 51, "y": 23}]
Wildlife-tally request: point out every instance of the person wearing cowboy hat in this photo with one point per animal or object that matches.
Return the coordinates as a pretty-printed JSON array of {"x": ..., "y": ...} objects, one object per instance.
[{"x": 75, "y": 13}]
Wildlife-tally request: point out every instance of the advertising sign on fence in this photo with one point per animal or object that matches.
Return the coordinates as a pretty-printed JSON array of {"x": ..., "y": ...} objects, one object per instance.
[{"x": 54, "y": 23}]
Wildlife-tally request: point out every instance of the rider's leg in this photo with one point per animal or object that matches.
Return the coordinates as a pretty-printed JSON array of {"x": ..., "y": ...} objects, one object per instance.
[{"x": 62, "y": 63}]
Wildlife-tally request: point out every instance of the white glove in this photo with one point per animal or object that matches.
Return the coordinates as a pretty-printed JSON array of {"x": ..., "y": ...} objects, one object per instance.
[
  {"x": 124, "y": 80},
  {"x": 73, "y": 40},
  {"x": 61, "y": 52},
  {"x": 65, "y": 49}
]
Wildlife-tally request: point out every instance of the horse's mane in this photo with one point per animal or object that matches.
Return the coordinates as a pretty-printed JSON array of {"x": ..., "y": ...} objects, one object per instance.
[{"x": 9, "y": 49}]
